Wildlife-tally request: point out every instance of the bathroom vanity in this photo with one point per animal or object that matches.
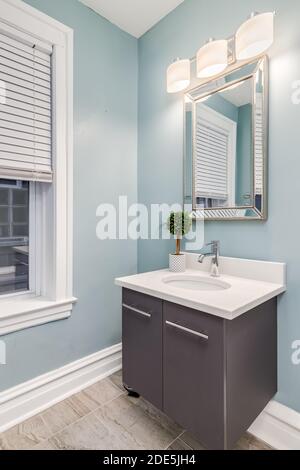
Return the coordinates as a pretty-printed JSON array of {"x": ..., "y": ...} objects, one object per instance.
[{"x": 202, "y": 350}]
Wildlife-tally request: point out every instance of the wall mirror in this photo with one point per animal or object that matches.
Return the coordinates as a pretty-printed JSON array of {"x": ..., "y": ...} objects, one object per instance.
[{"x": 225, "y": 155}]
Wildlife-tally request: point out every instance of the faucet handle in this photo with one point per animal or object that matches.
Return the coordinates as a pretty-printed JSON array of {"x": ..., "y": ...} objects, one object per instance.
[{"x": 213, "y": 243}]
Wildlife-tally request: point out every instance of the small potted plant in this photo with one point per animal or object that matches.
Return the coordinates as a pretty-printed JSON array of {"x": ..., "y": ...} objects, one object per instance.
[{"x": 179, "y": 224}]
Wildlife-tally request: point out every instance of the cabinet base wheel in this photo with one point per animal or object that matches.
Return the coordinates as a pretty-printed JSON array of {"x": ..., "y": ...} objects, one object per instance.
[{"x": 131, "y": 393}]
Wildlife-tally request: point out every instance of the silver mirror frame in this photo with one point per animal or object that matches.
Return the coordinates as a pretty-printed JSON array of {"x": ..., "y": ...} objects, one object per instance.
[{"x": 209, "y": 87}]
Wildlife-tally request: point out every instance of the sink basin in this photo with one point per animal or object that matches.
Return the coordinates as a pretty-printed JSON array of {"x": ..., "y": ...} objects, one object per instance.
[{"x": 196, "y": 283}]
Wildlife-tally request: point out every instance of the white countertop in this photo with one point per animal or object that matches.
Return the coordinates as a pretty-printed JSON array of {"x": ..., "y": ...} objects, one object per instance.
[{"x": 267, "y": 280}]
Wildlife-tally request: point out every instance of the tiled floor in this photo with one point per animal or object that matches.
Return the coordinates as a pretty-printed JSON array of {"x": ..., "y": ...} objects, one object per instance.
[{"x": 104, "y": 417}]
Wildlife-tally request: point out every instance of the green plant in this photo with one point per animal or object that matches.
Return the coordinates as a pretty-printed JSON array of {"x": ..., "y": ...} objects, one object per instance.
[{"x": 179, "y": 224}]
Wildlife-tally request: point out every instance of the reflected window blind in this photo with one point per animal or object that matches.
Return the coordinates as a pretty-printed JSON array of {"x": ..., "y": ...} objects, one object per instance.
[
  {"x": 211, "y": 162},
  {"x": 25, "y": 110},
  {"x": 259, "y": 146}
]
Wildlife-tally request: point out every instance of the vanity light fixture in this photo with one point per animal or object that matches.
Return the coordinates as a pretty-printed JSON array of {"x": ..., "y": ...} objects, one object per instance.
[
  {"x": 255, "y": 36},
  {"x": 212, "y": 58},
  {"x": 252, "y": 39},
  {"x": 178, "y": 75}
]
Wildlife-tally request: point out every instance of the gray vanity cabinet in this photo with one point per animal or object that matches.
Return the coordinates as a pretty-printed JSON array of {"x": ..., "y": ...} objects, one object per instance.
[
  {"x": 193, "y": 357},
  {"x": 142, "y": 345},
  {"x": 211, "y": 375}
]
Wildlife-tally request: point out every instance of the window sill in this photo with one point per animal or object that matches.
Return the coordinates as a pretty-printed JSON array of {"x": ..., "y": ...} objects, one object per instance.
[{"x": 21, "y": 312}]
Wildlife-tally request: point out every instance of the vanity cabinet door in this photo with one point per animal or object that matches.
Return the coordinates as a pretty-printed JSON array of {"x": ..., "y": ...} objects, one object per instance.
[
  {"x": 142, "y": 345},
  {"x": 194, "y": 372}
]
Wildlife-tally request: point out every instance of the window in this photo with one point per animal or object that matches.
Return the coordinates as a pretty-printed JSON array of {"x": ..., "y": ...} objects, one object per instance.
[
  {"x": 14, "y": 236},
  {"x": 25, "y": 147},
  {"x": 36, "y": 145}
]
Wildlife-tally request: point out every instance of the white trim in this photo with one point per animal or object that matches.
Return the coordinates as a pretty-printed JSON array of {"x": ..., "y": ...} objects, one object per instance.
[
  {"x": 40, "y": 25},
  {"x": 28, "y": 399},
  {"x": 278, "y": 426},
  {"x": 32, "y": 256},
  {"x": 28, "y": 310},
  {"x": 54, "y": 215}
]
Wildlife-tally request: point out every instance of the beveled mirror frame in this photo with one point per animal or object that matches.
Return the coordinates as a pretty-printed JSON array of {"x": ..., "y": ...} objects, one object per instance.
[{"x": 207, "y": 88}]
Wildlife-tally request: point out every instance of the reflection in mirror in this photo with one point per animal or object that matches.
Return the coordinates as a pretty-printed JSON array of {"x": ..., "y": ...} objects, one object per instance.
[{"x": 224, "y": 147}]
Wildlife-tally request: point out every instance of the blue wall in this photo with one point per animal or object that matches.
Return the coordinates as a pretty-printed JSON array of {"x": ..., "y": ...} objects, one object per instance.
[
  {"x": 160, "y": 174},
  {"x": 222, "y": 106},
  {"x": 105, "y": 166}
]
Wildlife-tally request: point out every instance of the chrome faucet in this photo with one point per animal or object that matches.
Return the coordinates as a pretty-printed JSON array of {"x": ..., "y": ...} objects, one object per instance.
[{"x": 215, "y": 254}]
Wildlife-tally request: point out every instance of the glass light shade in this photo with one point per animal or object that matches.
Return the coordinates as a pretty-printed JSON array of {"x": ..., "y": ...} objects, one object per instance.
[
  {"x": 255, "y": 36},
  {"x": 178, "y": 76},
  {"x": 212, "y": 58}
]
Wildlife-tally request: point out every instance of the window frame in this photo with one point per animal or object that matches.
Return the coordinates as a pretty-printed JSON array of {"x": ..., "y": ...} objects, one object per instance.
[{"x": 50, "y": 297}]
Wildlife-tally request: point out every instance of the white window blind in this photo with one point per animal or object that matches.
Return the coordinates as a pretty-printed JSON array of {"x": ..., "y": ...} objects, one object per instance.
[
  {"x": 259, "y": 146},
  {"x": 25, "y": 109},
  {"x": 211, "y": 161}
]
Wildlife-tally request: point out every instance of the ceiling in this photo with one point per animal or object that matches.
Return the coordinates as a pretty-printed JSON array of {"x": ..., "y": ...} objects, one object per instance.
[
  {"x": 239, "y": 95},
  {"x": 135, "y": 17}
]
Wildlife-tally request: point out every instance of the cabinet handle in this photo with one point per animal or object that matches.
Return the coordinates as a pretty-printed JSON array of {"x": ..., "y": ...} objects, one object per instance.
[
  {"x": 136, "y": 310},
  {"x": 187, "y": 330}
]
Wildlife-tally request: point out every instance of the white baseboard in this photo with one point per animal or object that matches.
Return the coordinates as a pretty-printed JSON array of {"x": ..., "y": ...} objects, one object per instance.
[
  {"x": 278, "y": 426},
  {"x": 30, "y": 398}
]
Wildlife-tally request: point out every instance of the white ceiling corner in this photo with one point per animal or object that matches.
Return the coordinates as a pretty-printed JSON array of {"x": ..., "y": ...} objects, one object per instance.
[
  {"x": 135, "y": 17},
  {"x": 239, "y": 96}
]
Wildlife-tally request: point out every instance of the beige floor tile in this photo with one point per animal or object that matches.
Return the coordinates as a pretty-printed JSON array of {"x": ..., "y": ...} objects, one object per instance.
[
  {"x": 179, "y": 445},
  {"x": 243, "y": 443},
  {"x": 99, "y": 394},
  {"x": 158, "y": 415},
  {"x": 191, "y": 441},
  {"x": 248, "y": 442},
  {"x": 79, "y": 405},
  {"x": 45, "y": 445},
  {"x": 87, "y": 434},
  {"x": 26, "y": 435},
  {"x": 117, "y": 379},
  {"x": 124, "y": 416},
  {"x": 65, "y": 413},
  {"x": 256, "y": 444}
]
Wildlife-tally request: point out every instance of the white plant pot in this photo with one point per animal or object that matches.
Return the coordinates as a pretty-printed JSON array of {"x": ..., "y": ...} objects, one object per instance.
[{"x": 177, "y": 263}]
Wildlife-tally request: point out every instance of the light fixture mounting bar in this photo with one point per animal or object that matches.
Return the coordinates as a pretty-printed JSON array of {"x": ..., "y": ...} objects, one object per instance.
[{"x": 253, "y": 38}]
